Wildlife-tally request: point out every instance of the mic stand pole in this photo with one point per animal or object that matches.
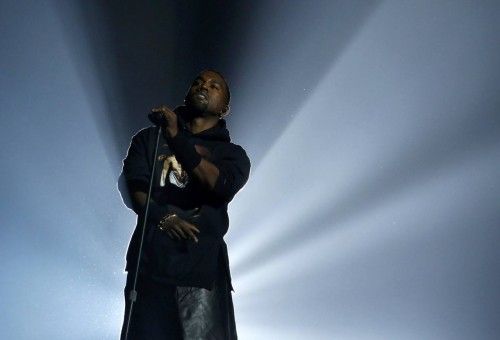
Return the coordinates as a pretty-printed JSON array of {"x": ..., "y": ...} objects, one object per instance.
[{"x": 133, "y": 292}]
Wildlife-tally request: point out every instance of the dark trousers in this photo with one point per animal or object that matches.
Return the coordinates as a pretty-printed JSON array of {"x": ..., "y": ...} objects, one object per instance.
[{"x": 184, "y": 313}]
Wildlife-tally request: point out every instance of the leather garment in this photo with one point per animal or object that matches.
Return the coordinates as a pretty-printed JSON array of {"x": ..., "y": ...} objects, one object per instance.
[
  {"x": 207, "y": 314},
  {"x": 183, "y": 313}
]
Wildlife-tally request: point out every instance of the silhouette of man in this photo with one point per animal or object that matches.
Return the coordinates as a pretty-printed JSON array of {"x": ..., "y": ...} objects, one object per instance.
[{"x": 184, "y": 283}]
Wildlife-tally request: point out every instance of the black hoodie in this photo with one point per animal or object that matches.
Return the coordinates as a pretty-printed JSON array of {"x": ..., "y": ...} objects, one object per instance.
[{"x": 183, "y": 262}]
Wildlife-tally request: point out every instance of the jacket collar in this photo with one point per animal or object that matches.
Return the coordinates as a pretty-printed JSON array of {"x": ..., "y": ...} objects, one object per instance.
[{"x": 218, "y": 132}]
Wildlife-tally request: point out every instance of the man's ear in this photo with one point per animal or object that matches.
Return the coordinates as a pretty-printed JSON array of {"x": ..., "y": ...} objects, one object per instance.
[{"x": 224, "y": 112}]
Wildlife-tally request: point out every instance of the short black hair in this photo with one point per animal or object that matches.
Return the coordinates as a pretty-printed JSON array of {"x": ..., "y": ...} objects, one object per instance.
[{"x": 228, "y": 92}]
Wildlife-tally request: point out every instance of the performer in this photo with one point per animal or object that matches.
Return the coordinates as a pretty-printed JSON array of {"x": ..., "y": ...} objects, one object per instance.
[{"x": 184, "y": 283}]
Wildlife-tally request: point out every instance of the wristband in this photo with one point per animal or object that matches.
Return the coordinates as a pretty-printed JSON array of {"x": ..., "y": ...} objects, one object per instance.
[{"x": 184, "y": 151}]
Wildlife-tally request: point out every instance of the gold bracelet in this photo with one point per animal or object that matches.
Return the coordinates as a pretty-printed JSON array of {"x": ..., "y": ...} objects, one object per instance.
[{"x": 164, "y": 223}]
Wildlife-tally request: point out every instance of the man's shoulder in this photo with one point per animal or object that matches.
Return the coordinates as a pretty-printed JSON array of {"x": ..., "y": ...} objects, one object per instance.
[
  {"x": 231, "y": 147},
  {"x": 147, "y": 130},
  {"x": 144, "y": 133},
  {"x": 233, "y": 150}
]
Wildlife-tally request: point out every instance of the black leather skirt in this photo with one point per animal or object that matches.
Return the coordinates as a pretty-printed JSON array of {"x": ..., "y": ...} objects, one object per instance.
[{"x": 176, "y": 312}]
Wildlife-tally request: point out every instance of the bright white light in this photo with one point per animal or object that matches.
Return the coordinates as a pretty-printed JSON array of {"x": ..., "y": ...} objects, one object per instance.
[{"x": 355, "y": 222}]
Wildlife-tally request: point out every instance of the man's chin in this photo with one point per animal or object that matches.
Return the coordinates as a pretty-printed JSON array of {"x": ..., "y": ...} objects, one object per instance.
[
  {"x": 196, "y": 105},
  {"x": 197, "y": 110}
]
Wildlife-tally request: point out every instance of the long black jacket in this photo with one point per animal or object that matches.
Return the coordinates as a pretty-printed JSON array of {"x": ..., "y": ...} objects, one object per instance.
[{"x": 183, "y": 262}]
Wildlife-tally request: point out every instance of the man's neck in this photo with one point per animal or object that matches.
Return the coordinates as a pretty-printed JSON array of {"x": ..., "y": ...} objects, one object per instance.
[{"x": 198, "y": 124}]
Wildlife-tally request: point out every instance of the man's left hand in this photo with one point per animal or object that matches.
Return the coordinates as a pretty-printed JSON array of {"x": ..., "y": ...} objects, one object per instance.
[{"x": 177, "y": 227}]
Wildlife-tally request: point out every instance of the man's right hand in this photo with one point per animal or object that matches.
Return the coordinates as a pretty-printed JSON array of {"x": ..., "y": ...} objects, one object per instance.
[{"x": 170, "y": 118}]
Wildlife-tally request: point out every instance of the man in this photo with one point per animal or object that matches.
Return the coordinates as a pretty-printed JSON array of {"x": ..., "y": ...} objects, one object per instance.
[{"x": 184, "y": 283}]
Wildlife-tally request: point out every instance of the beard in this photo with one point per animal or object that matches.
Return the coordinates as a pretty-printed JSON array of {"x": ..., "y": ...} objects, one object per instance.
[
  {"x": 197, "y": 108},
  {"x": 196, "y": 105}
]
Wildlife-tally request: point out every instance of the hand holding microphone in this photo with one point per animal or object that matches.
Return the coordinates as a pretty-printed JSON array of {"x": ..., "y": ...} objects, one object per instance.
[{"x": 166, "y": 118}]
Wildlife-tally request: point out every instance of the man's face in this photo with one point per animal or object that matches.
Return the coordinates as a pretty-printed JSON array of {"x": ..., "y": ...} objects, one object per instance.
[{"x": 207, "y": 94}]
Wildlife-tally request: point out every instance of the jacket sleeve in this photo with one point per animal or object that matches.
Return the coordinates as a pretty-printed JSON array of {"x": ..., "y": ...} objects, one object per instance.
[
  {"x": 135, "y": 176},
  {"x": 234, "y": 170},
  {"x": 136, "y": 171}
]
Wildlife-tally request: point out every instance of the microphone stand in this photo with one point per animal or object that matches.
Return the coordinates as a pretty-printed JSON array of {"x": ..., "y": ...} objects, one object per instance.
[{"x": 133, "y": 292}]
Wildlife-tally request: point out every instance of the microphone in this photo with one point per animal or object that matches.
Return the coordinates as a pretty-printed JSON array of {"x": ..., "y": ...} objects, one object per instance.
[{"x": 157, "y": 118}]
